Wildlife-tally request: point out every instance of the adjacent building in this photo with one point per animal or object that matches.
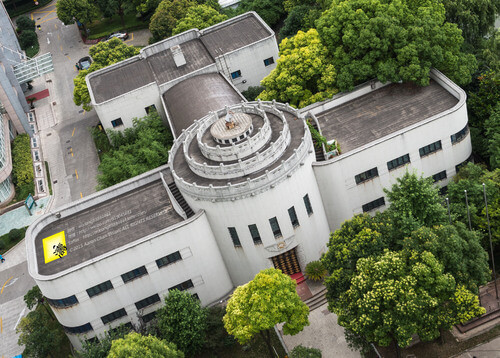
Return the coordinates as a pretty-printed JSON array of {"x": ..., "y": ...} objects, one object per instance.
[
  {"x": 13, "y": 106},
  {"x": 245, "y": 188}
]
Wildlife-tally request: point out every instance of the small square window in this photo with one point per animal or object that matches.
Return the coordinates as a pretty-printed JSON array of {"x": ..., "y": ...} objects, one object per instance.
[
  {"x": 117, "y": 122},
  {"x": 150, "y": 109},
  {"x": 236, "y": 74},
  {"x": 268, "y": 61}
]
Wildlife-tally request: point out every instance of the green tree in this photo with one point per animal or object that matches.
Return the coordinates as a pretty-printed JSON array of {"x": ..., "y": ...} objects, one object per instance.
[
  {"x": 457, "y": 249},
  {"x": 100, "y": 348},
  {"x": 392, "y": 40},
  {"x": 305, "y": 352},
  {"x": 475, "y": 18},
  {"x": 27, "y": 39},
  {"x": 104, "y": 54},
  {"x": 134, "y": 345},
  {"x": 166, "y": 16},
  {"x": 297, "y": 20},
  {"x": 216, "y": 335},
  {"x": 83, "y": 11},
  {"x": 200, "y": 17},
  {"x": 24, "y": 23},
  {"x": 270, "y": 298},
  {"x": 492, "y": 125},
  {"x": 182, "y": 321},
  {"x": 400, "y": 294},
  {"x": 271, "y": 11},
  {"x": 40, "y": 335},
  {"x": 135, "y": 151},
  {"x": 415, "y": 202},
  {"x": 304, "y": 73},
  {"x": 362, "y": 236},
  {"x": 109, "y": 8}
]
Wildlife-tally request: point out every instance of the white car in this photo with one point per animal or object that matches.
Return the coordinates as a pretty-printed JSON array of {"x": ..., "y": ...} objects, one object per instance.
[{"x": 118, "y": 35}]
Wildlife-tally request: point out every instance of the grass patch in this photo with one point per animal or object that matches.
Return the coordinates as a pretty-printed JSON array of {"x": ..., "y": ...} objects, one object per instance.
[
  {"x": 105, "y": 26},
  {"x": 48, "y": 177},
  {"x": 32, "y": 51},
  {"x": 28, "y": 6},
  {"x": 256, "y": 349},
  {"x": 9, "y": 240}
]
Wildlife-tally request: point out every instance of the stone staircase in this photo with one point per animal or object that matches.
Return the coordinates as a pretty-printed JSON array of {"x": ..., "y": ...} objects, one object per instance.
[
  {"x": 317, "y": 300},
  {"x": 318, "y": 148},
  {"x": 180, "y": 199}
]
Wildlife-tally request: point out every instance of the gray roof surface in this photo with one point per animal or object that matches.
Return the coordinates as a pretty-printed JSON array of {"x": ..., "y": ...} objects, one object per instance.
[
  {"x": 108, "y": 225},
  {"x": 382, "y": 112},
  {"x": 233, "y": 36},
  {"x": 193, "y": 98},
  {"x": 165, "y": 69},
  {"x": 120, "y": 80}
]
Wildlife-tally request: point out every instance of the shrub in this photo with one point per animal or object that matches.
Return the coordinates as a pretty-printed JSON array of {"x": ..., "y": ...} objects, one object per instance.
[
  {"x": 315, "y": 270},
  {"x": 16, "y": 235},
  {"x": 252, "y": 92},
  {"x": 305, "y": 352},
  {"x": 24, "y": 23},
  {"x": 28, "y": 39}
]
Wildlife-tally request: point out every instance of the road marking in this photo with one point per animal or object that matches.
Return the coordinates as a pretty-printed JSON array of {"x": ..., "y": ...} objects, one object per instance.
[
  {"x": 81, "y": 195},
  {"x": 41, "y": 22},
  {"x": 58, "y": 37},
  {"x": 131, "y": 38},
  {"x": 76, "y": 174},
  {"x": 1, "y": 325},
  {"x": 61, "y": 48},
  {"x": 55, "y": 25},
  {"x": 48, "y": 41},
  {"x": 72, "y": 134},
  {"x": 10, "y": 278},
  {"x": 19, "y": 319}
]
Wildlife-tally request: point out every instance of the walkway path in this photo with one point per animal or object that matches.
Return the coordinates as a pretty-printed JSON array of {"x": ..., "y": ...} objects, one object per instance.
[{"x": 20, "y": 217}]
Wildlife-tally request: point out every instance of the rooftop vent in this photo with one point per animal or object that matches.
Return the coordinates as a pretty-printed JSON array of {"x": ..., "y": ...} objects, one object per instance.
[{"x": 178, "y": 55}]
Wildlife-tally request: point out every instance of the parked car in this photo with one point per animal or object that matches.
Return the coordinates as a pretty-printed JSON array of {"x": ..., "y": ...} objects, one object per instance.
[
  {"x": 84, "y": 63},
  {"x": 118, "y": 35}
]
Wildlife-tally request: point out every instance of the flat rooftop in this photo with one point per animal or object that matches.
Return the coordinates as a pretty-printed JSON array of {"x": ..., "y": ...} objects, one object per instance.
[
  {"x": 382, "y": 112},
  {"x": 108, "y": 226}
]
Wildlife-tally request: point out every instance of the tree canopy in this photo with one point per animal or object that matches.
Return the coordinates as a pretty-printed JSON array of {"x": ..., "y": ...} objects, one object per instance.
[
  {"x": 270, "y": 298},
  {"x": 400, "y": 294},
  {"x": 166, "y": 16},
  {"x": 392, "y": 40},
  {"x": 304, "y": 73},
  {"x": 271, "y": 11},
  {"x": 135, "y": 150},
  {"x": 135, "y": 345},
  {"x": 200, "y": 17},
  {"x": 104, "y": 54},
  {"x": 182, "y": 321},
  {"x": 69, "y": 11},
  {"x": 414, "y": 202}
]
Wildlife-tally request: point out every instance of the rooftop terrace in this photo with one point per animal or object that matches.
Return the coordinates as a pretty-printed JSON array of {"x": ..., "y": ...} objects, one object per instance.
[
  {"x": 382, "y": 112},
  {"x": 107, "y": 226}
]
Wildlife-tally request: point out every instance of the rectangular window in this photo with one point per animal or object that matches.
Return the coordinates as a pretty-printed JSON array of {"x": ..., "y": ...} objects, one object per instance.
[
  {"x": 117, "y": 122},
  {"x": 236, "y": 74},
  {"x": 398, "y": 162},
  {"x": 293, "y": 217},
  {"x": 268, "y": 61},
  {"x": 63, "y": 302},
  {"x": 182, "y": 286},
  {"x": 100, "y": 288},
  {"x": 78, "y": 330},
  {"x": 444, "y": 190},
  {"x": 122, "y": 328},
  {"x": 369, "y": 174},
  {"x": 234, "y": 236},
  {"x": 148, "y": 301},
  {"x": 373, "y": 204},
  {"x": 439, "y": 176},
  {"x": 307, "y": 203},
  {"x": 150, "y": 108},
  {"x": 149, "y": 317},
  {"x": 254, "y": 231},
  {"x": 431, "y": 148},
  {"x": 275, "y": 227},
  {"x": 136, "y": 273},
  {"x": 457, "y": 137},
  {"x": 166, "y": 260},
  {"x": 113, "y": 316}
]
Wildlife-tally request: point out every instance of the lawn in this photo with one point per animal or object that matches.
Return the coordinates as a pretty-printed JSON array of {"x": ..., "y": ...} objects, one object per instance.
[
  {"x": 10, "y": 239},
  {"x": 104, "y": 27}
]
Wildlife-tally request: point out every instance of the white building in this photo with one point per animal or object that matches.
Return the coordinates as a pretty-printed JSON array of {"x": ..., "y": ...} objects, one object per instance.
[{"x": 243, "y": 190}]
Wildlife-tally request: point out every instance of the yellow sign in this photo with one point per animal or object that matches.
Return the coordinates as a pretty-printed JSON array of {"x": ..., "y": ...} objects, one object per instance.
[{"x": 54, "y": 247}]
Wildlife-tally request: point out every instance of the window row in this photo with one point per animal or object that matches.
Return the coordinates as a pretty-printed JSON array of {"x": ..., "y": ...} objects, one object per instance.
[
  {"x": 237, "y": 74},
  {"x": 439, "y": 176},
  {"x": 457, "y": 137},
  {"x": 373, "y": 204},
  {"x": 63, "y": 302},
  {"x": 80, "y": 329},
  {"x": 273, "y": 222}
]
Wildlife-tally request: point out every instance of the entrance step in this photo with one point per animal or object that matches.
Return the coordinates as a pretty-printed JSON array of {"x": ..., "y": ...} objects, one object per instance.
[
  {"x": 317, "y": 300},
  {"x": 298, "y": 277}
]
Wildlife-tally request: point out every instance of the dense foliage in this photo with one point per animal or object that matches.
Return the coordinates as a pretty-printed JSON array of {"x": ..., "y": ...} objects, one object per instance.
[
  {"x": 100, "y": 348},
  {"x": 134, "y": 345},
  {"x": 135, "y": 150},
  {"x": 166, "y": 16},
  {"x": 22, "y": 166},
  {"x": 392, "y": 40},
  {"x": 200, "y": 17},
  {"x": 270, "y": 298},
  {"x": 182, "y": 321},
  {"x": 69, "y": 11}
]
